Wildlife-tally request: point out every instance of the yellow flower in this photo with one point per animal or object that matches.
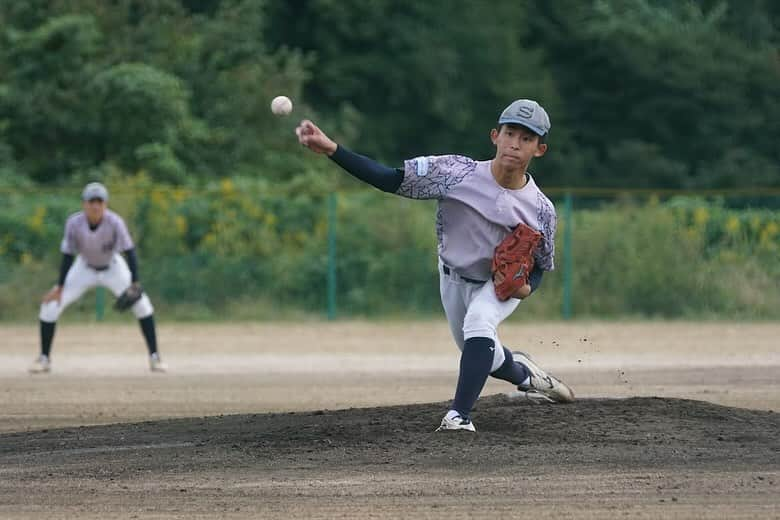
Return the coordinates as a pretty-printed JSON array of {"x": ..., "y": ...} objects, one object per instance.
[
  {"x": 732, "y": 225},
  {"x": 768, "y": 235},
  {"x": 158, "y": 198},
  {"x": 227, "y": 187},
  {"x": 179, "y": 194},
  {"x": 181, "y": 224},
  {"x": 35, "y": 222},
  {"x": 701, "y": 216}
]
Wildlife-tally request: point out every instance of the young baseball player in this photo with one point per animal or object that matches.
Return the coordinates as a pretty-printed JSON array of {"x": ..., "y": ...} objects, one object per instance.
[
  {"x": 479, "y": 204},
  {"x": 93, "y": 239}
]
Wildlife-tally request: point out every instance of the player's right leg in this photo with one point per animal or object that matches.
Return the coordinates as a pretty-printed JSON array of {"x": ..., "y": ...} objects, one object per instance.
[
  {"x": 474, "y": 331},
  {"x": 80, "y": 278}
]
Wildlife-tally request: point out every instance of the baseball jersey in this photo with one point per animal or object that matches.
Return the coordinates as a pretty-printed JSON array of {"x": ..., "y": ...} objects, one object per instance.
[
  {"x": 96, "y": 247},
  {"x": 475, "y": 213}
]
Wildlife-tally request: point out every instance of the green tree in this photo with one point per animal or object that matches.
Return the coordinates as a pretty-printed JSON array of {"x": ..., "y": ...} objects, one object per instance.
[
  {"x": 45, "y": 72},
  {"x": 141, "y": 115},
  {"x": 423, "y": 77},
  {"x": 665, "y": 79}
]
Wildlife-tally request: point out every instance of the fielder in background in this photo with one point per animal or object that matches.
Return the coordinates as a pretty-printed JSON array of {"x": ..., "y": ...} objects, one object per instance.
[
  {"x": 479, "y": 204},
  {"x": 93, "y": 239}
]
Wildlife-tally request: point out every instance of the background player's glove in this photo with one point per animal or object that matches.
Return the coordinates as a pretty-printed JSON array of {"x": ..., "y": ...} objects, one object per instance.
[
  {"x": 514, "y": 260},
  {"x": 128, "y": 298}
]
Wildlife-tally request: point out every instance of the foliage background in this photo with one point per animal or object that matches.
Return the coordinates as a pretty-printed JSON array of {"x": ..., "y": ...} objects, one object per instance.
[{"x": 167, "y": 102}]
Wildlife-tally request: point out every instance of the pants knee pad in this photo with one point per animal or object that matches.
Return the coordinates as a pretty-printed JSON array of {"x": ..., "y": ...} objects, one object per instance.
[
  {"x": 143, "y": 308},
  {"x": 50, "y": 311},
  {"x": 479, "y": 325}
]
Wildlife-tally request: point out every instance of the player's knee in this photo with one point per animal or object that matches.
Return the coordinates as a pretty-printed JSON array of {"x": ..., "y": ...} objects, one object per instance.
[
  {"x": 479, "y": 323},
  {"x": 143, "y": 308},
  {"x": 49, "y": 312}
]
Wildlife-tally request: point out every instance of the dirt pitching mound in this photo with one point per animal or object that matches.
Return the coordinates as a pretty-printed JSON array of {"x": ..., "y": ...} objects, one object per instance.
[{"x": 635, "y": 432}]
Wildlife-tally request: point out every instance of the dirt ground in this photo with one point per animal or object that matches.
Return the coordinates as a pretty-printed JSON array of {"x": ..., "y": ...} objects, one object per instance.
[{"x": 325, "y": 420}]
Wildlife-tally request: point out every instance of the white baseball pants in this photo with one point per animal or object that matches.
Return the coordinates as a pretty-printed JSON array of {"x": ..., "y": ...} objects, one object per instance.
[
  {"x": 81, "y": 277},
  {"x": 474, "y": 311}
]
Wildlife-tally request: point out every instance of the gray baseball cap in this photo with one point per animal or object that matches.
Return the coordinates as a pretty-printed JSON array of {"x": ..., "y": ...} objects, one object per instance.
[
  {"x": 94, "y": 190},
  {"x": 528, "y": 113}
]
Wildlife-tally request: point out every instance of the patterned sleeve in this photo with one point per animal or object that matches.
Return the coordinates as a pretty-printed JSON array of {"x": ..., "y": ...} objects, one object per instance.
[
  {"x": 433, "y": 177},
  {"x": 123, "y": 239},
  {"x": 545, "y": 254},
  {"x": 68, "y": 245}
]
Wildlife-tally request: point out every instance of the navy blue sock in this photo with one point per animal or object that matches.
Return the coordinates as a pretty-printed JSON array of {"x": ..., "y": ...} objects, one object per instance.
[
  {"x": 475, "y": 363},
  {"x": 147, "y": 328},
  {"x": 47, "y": 334},
  {"x": 510, "y": 371}
]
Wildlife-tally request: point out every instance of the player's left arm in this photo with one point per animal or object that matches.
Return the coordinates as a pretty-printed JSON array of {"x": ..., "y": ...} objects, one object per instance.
[
  {"x": 127, "y": 247},
  {"x": 132, "y": 263}
]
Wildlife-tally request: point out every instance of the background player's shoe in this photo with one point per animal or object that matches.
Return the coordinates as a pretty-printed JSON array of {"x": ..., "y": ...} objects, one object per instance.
[
  {"x": 156, "y": 364},
  {"x": 40, "y": 365},
  {"x": 543, "y": 386},
  {"x": 453, "y": 421}
]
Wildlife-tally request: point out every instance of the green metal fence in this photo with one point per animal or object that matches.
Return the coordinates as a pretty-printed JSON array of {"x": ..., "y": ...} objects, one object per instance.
[{"x": 244, "y": 251}]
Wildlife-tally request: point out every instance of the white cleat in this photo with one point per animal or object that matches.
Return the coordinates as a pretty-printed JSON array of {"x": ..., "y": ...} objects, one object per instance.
[
  {"x": 453, "y": 421},
  {"x": 156, "y": 364},
  {"x": 42, "y": 365},
  {"x": 543, "y": 387}
]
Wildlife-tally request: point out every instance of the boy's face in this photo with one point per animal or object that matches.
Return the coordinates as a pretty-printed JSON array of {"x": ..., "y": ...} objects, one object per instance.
[
  {"x": 94, "y": 209},
  {"x": 516, "y": 146}
]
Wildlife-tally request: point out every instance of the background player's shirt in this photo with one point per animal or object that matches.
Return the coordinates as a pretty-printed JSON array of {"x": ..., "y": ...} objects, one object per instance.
[
  {"x": 96, "y": 247},
  {"x": 475, "y": 213}
]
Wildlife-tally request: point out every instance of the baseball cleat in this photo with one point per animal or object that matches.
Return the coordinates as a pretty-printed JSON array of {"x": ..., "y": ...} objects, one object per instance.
[
  {"x": 41, "y": 365},
  {"x": 156, "y": 364},
  {"x": 543, "y": 387},
  {"x": 453, "y": 421}
]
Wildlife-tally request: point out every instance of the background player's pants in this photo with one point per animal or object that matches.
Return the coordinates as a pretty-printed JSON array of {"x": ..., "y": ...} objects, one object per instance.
[
  {"x": 474, "y": 311},
  {"x": 81, "y": 277}
]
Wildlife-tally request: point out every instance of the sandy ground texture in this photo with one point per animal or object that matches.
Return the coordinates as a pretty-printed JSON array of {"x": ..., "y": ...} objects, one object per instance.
[{"x": 324, "y": 420}]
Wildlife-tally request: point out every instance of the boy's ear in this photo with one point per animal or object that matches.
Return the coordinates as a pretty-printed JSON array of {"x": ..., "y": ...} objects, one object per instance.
[
  {"x": 494, "y": 135},
  {"x": 541, "y": 149}
]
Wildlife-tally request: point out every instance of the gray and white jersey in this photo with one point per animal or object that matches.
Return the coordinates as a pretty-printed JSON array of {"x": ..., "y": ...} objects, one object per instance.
[
  {"x": 96, "y": 247},
  {"x": 475, "y": 213}
]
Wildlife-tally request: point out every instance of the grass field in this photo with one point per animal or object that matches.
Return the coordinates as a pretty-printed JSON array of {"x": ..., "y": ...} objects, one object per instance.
[{"x": 603, "y": 456}]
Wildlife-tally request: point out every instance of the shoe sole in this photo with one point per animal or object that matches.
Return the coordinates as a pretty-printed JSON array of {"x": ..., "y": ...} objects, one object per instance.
[{"x": 443, "y": 429}]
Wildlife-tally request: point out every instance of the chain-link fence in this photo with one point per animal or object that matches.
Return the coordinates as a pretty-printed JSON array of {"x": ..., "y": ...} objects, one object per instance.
[{"x": 242, "y": 250}]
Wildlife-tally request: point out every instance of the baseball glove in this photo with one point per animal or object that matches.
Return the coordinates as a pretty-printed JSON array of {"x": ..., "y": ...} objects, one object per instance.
[
  {"x": 128, "y": 298},
  {"x": 514, "y": 259}
]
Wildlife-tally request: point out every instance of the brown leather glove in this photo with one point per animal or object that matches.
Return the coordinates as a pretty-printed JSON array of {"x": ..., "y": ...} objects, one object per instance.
[
  {"x": 514, "y": 259},
  {"x": 128, "y": 298}
]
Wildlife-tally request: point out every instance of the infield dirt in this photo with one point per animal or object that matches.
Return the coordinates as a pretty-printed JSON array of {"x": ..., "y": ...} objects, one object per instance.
[{"x": 336, "y": 420}]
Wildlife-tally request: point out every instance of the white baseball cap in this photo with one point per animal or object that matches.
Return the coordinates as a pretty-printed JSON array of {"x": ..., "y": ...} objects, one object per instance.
[
  {"x": 527, "y": 113},
  {"x": 94, "y": 190}
]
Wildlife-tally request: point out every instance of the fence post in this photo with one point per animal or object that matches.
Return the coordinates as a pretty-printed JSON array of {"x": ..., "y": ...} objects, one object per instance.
[
  {"x": 568, "y": 261},
  {"x": 100, "y": 303},
  {"x": 332, "y": 204}
]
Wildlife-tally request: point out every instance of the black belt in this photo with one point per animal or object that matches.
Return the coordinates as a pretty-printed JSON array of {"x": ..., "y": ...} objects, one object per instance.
[
  {"x": 469, "y": 280},
  {"x": 99, "y": 268}
]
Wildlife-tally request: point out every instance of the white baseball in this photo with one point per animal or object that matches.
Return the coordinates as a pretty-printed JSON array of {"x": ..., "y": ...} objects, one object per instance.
[{"x": 281, "y": 105}]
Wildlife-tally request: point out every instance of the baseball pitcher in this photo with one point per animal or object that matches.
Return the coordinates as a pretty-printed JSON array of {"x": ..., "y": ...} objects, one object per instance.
[
  {"x": 496, "y": 237},
  {"x": 91, "y": 247}
]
